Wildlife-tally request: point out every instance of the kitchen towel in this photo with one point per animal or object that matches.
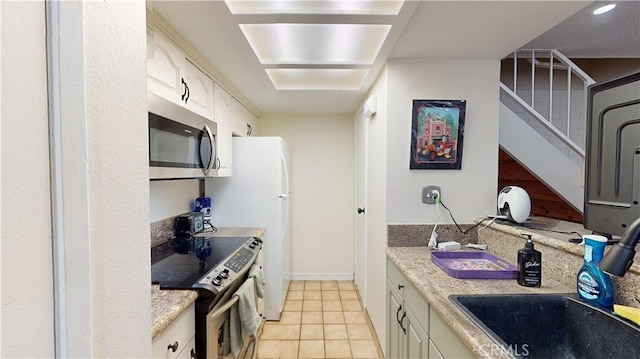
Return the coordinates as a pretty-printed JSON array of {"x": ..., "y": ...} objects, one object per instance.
[
  {"x": 243, "y": 317},
  {"x": 257, "y": 273}
]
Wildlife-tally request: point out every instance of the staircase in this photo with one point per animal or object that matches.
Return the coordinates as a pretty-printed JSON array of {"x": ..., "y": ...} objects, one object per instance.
[{"x": 543, "y": 109}]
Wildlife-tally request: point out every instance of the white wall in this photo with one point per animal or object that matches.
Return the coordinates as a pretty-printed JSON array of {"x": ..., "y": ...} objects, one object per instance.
[
  {"x": 27, "y": 304},
  {"x": 101, "y": 217},
  {"x": 471, "y": 191},
  {"x": 393, "y": 190},
  {"x": 322, "y": 192},
  {"x": 118, "y": 172},
  {"x": 377, "y": 200},
  {"x": 171, "y": 198}
]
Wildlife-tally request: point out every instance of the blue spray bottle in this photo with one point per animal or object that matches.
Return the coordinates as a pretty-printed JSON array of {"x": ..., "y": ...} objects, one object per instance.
[{"x": 594, "y": 286}]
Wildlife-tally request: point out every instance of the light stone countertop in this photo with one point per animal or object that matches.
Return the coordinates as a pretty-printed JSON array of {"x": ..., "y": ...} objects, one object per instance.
[
  {"x": 167, "y": 305},
  {"x": 436, "y": 286}
]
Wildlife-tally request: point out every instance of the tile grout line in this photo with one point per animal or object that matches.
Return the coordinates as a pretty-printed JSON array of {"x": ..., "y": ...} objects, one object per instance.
[{"x": 318, "y": 286}]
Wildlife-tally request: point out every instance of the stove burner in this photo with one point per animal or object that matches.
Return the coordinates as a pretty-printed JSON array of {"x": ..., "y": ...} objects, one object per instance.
[
  {"x": 182, "y": 262},
  {"x": 177, "y": 271}
]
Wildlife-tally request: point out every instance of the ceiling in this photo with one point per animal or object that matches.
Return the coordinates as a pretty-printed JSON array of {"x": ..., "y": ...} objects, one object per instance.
[
  {"x": 422, "y": 29},
  {"x": 615, "y": 34}
]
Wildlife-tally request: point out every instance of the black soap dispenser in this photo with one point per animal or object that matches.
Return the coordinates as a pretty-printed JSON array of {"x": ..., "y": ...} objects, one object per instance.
[{"x": 529, "y": 265}]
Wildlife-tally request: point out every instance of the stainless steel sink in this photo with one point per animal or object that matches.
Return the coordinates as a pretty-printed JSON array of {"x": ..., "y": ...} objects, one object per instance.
[{"x": 550, "y": 326}]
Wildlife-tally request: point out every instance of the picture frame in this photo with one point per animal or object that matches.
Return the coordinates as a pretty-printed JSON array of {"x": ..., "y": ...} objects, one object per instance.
[{"x": 437, "y": 134}]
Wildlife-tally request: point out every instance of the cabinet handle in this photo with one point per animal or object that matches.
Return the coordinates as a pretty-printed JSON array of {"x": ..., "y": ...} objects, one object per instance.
[
  {"x": 188, "y": 93},
  {"x": 173, "y": 347},
  {"x": 185, "y": 89},
  {"x": 398, "y": 313},
  {"x": 404, "y": 314},
  {"x": 193, "y": 354},
  {"x": 249, "y": 130},
  {"x": 400, "y": 287}
]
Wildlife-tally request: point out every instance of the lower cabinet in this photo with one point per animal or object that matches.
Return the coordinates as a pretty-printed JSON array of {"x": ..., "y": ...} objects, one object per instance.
[
  {"x": 178, "y": 340},
  {"x": 445, "y": 340},
  {"x": 417, "y": 339},
  {"x": 395, "y": 332},
  {"x": 433, "y": 351},
  {"x": 407, "y": 318},
  {"x": 414, "y": 330}
]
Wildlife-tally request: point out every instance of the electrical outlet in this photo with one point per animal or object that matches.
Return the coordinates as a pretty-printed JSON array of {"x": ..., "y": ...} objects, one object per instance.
[{"x": 429, "y": 194}]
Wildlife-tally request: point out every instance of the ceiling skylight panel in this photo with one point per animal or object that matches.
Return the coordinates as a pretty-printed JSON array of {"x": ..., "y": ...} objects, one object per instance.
[
  {"x": 352, "y": 7},
  {"x": 319, "y": 44},
  {"x": 317, "y": 79}
]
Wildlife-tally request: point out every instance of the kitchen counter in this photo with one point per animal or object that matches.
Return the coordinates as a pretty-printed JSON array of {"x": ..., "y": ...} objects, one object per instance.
[
  {"x": 167, "y": 305},
  {"x": 435, "y": 286}
]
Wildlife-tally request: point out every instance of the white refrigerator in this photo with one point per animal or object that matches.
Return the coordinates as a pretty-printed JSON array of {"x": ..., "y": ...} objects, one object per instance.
[{"x": 257, "y": 195}]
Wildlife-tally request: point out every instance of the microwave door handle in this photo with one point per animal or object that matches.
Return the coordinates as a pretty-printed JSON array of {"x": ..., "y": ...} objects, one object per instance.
[{"x": 214, "y": 156}]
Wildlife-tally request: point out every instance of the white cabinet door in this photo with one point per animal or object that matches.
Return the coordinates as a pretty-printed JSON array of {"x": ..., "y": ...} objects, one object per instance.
[
  {"x": 172, "y": 76},
  {"x": 417, "y": 345},
  {"x": 395, "y": 333},
  {"x": 244, "y": 123},
  {"x": 223, "y": 119},
  {"x": 407, "y": 317},
  {"x": 253, "y": 124},
  {"x": 199, "y": 87},
  {"x": 165, "y": 65},
  {"x": 177, "y": 340},
  {"x": 444, "y": 339},
  {"x": 189, "y": 351}
]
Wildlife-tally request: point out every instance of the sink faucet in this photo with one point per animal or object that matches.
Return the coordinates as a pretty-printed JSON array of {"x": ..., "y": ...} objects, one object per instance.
[{"x": 619, "y": 258}]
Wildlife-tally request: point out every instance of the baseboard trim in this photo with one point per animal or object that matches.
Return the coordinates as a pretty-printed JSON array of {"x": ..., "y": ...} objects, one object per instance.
[
  {"x": 321, "y": 276},
  {"x": 376, "y": 342}
]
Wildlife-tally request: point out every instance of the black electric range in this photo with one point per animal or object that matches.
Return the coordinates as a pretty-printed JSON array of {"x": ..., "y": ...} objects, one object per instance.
[
  {"x": 206, "y": 263},
  {"x": 215, "y": 266}
]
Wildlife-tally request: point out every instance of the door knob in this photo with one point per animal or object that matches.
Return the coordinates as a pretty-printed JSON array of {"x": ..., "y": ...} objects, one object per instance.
[{"x": 360, "y": 210}]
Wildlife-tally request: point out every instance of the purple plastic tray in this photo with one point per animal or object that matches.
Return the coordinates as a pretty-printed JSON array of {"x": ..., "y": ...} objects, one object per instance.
[{"x": 476, "y": 265}]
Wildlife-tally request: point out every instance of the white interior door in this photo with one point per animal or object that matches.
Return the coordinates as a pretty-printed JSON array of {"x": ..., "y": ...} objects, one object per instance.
[{"x": 361, "y": 205}]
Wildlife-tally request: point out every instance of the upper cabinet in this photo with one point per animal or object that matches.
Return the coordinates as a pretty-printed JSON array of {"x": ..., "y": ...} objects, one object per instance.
[
  {"x": 223, "y": 101},
  {"x": 243, "y": 121},
  {"x": 178, "y": 73},
  {"x": 176, "y": 78},
  {"x": 199, "y": 91}
]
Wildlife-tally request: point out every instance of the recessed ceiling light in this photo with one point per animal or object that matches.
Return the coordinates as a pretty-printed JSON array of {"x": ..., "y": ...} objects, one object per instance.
[
  {"x": 351, "y": 7},
  {"x": 316, "y": 44},
  {"x": 317, "y": 79},
  {"x": 603, "y": 9}
]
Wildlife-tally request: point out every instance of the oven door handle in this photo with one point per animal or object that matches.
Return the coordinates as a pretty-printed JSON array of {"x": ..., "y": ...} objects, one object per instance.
[{"x": 226, "y": 306}]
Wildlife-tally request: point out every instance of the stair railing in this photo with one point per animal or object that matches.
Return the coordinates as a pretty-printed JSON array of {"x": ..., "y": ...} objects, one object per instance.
[{"x": 534, "y": 62}]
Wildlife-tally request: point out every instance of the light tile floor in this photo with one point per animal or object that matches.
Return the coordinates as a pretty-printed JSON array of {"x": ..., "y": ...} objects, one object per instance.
[{"x": 321, "y": 319}]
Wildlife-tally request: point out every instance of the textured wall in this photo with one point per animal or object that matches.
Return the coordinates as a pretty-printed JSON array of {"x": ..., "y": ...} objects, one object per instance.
[
  {"x": 469, "y": 192},
  {"x": 394, "y": 190},
  {"x": 100, "y": 219},
  {"x": 118, "y": 178},
  {"x": 171, "y": 198},
  {"x": 27, "y": 304}
]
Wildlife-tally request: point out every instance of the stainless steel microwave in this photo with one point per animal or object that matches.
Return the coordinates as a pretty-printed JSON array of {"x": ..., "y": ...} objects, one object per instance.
[{"x": 182, "y": 144}]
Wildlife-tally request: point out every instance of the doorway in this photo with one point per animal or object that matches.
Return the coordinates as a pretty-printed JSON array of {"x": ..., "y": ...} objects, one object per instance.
[{"x": 361, "y": 205}]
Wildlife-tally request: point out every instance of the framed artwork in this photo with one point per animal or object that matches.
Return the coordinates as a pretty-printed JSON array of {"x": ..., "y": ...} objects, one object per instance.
[{"x": 437, "y": 134}]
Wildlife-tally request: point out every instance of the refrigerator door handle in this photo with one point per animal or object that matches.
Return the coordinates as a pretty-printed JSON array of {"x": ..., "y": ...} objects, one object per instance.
[{"x": 285, "y": 196}]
